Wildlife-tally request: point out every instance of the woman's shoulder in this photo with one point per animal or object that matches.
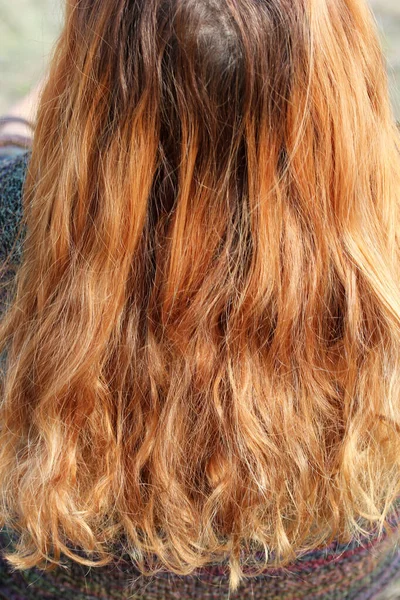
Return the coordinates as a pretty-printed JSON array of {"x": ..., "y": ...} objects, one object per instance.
[
  {"x": 13, "y": 166},
  {"x": 12, "y": 177}
]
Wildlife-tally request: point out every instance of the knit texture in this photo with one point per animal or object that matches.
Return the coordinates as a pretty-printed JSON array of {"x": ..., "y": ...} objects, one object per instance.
[{"x": 336, "y": 572}]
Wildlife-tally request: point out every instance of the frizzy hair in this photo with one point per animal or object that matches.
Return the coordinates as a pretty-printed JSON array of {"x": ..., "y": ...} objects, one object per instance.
[{"x": 203, "y": 339}]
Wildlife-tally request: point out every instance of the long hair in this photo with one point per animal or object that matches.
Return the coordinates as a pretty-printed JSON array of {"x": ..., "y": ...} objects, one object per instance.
[{"x": 203, "y": 336}]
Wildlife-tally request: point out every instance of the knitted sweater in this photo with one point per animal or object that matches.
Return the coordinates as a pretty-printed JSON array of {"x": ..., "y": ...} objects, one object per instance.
[{"x": 338, "y": 571}]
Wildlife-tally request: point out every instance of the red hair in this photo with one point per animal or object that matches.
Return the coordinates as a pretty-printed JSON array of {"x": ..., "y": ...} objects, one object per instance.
[{"x": 203, "y": 343}]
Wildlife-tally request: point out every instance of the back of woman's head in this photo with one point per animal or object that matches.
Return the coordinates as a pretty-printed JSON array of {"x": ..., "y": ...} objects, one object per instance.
[{"x": 203, "y": 346}]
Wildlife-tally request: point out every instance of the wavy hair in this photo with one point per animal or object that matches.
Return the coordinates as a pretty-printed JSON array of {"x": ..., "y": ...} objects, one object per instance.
[{"x": 203, "y": 336}]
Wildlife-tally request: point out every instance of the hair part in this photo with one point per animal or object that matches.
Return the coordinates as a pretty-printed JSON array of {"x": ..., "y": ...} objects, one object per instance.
[{"x": 203, "y": 342}]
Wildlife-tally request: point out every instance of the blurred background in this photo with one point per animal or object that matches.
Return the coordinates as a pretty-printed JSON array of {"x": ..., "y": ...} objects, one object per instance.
[{"x": 28, "y": 29}]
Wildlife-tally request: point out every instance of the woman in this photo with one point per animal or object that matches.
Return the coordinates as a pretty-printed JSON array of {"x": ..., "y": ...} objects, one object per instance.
[{"x": 202, "y": 337}]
